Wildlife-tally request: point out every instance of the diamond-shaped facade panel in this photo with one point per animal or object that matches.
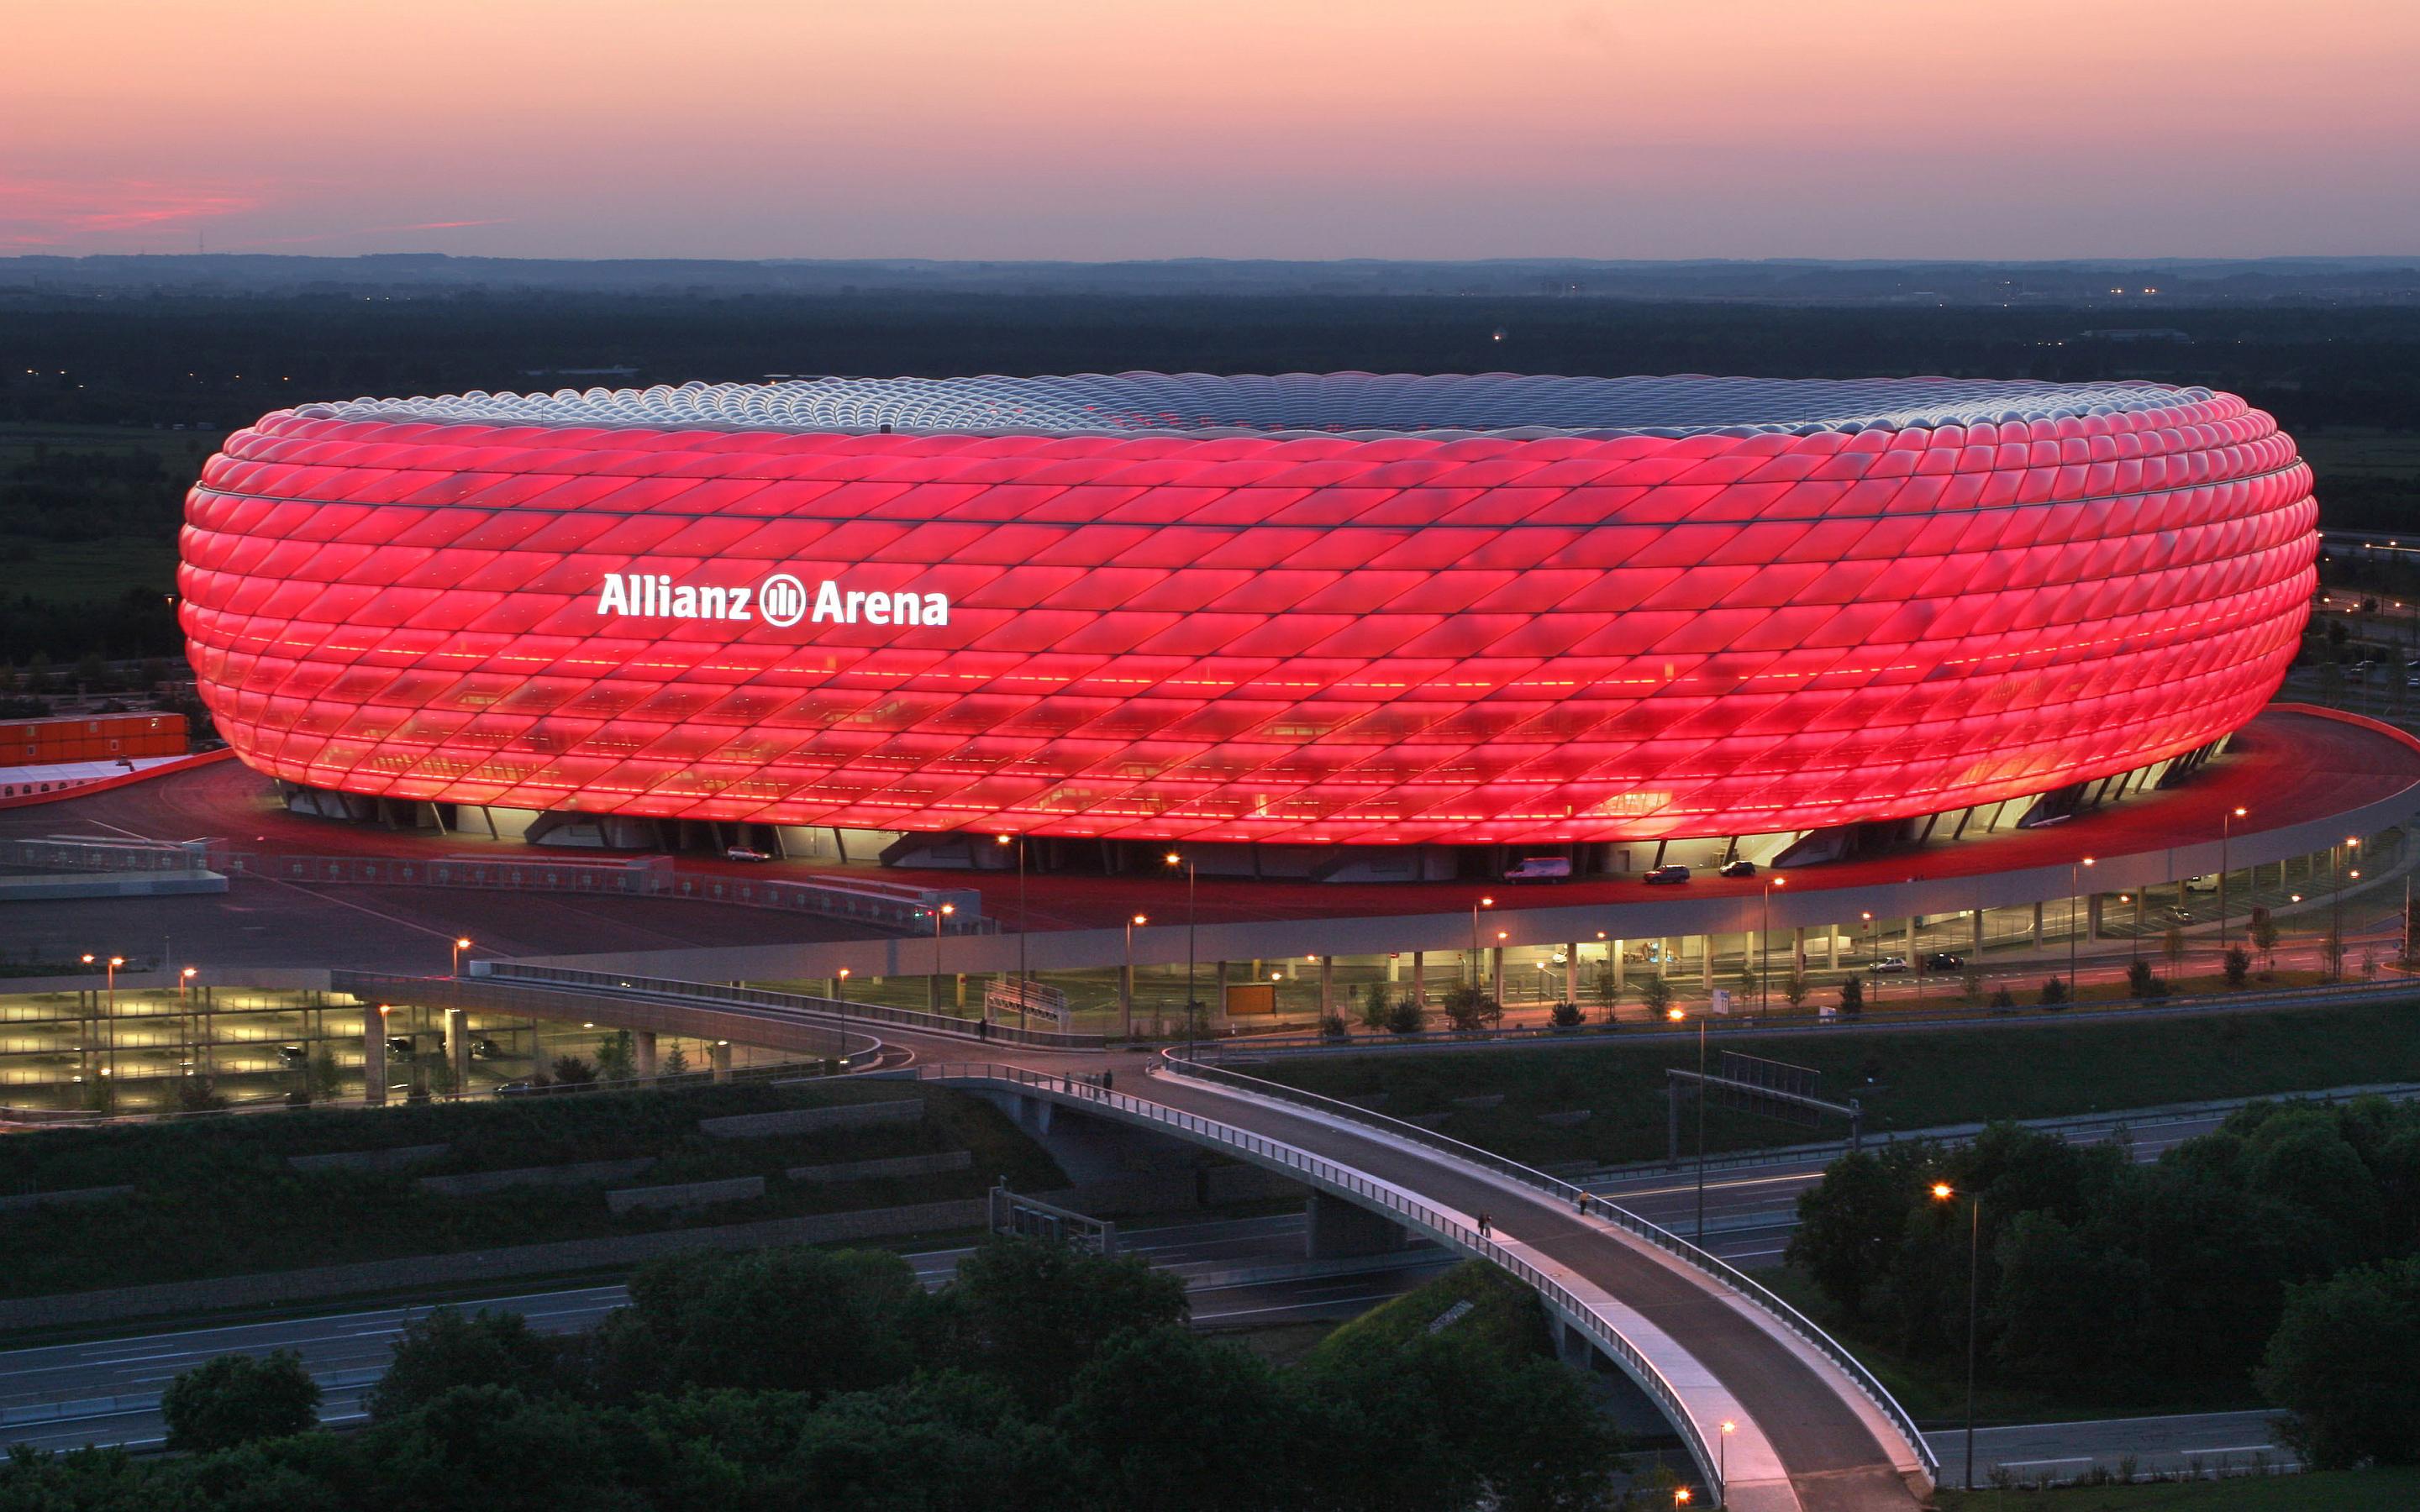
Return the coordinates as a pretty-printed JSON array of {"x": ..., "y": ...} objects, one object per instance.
[{"x": 1337, "y": 607}]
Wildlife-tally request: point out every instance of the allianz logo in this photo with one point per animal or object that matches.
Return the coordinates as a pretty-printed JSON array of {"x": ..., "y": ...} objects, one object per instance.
[{"x": 780, "y": 600}]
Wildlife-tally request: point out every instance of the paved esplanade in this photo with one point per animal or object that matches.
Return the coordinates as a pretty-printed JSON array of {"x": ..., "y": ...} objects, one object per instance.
[{"x": 1830, "y": 1452}]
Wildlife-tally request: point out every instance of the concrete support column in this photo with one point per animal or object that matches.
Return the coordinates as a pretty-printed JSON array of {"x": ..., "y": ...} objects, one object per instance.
[
  {"x": 1394, "y": 967},
  {"x": 1620, "y": 969},
  {"x": 1911, "y": 944},
  {"x": 643, "y": 1053},
  {"x": 1334, "y": 1229},
  {"x": 1496, "y": 974},
  {"x": 374, "y": 1057},
  {"x": 1706, "y": 961},
  {"x": 2092, "y": 912},
  {"x": 2037, "y": 926},
  {"x": 1419, "y": 977},
  {"x": 458, "y": 1047},
  {"x": 1214, "y": 1017},
  {"x": 1572, "y": 972},
  {"x": 1327, "y": 985},
  {"x": 720, "y": 1058},
  {"x": 1832, "y": 938},
  {"x": 1976, "y": 945},
  {"x": 1798, "y": 952}
]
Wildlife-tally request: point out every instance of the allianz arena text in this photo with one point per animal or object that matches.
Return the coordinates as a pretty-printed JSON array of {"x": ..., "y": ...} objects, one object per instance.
[{"x": 1334, "y": 609}]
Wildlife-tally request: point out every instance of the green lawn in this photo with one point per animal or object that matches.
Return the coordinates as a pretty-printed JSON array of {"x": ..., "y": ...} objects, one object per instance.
[
  {"x": 2348, "y": 1491},
  {"x": 1906, "y": 1078}
]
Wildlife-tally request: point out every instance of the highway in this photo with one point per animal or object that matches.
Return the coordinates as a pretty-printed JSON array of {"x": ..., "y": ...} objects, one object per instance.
[{"x": 106, "y": 1391}]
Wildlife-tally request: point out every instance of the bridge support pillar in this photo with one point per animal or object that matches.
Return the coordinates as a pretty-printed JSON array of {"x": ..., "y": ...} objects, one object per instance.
[
  {"x": 1572, "y": 972},
  {"x": 1912, "y": 964},
  {"x": 1798, "y": 952},
  {"x": 1334, "y": 1229},
  {"x": 1495, "y": 988},
  {"x": 2092, "y": 917},
  {"x": 1706, "y": 961},
  {"x": 1420, "y": 978},
  {"x": 1035, "y": 1112},
  {"x": 720, "y": 1058},
  {"x": 2037, "y": 926},
  {"x": 374, "y": 1057},
  {"x": 1621, "y": 973},
  {"x": 643, "y": 1054},
  {"x": 1974, "y": 944},
  {"x": 1327, "y": 985},
  {"x": 1832, "y": 940}
]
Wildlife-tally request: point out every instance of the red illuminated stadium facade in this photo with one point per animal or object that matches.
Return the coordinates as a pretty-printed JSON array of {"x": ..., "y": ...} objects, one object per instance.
[{"x": 1312, "y": 610}]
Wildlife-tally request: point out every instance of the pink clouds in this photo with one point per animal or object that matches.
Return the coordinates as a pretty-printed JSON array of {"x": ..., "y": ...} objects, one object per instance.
[{"x": 40, "y": 213}]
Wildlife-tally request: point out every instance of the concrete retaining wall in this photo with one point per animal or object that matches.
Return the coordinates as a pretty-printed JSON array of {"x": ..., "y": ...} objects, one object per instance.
[
  {"x": 561, "y": 1256},
  {"x": 870, "y": 1171},
  {"x": 809, "y": 1121},
  {"x": 687, "y": 1194},
  {"x": 368, "y": 1159},
  {"x": 476, "y": 1184}
]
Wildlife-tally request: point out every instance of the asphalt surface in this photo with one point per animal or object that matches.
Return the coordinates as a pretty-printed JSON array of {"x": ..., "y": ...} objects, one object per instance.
[
  {"x": 106, "y": 1391},
  {"x": 2194, "y": 1443}
]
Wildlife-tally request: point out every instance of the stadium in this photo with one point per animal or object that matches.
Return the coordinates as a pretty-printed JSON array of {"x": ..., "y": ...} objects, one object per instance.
[{"x": 1381, "y": 614}]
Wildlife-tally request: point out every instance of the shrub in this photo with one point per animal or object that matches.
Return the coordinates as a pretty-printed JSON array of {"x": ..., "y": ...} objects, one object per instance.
[
  {"x": 2003, "y": 1000},
  {"x": 2054, "y": 992},
  {"x": 2139, "y": 978},
  {"x": 2238, "y": 965},
  {"x": 1852, "y": 997},
  {"x": 1565, "y": 1016},
  {"x": 1333, "y": 1026},
  {"x": 1407, "y": 1016}
]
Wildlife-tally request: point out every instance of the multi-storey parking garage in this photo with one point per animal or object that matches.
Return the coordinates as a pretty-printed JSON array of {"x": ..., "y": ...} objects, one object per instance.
[{"x": 1321, "y": 610}]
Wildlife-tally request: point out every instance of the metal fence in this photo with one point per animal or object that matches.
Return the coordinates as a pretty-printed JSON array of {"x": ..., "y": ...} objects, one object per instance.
[
  {"x": 1364, "y": 1192},
  {"x": 1566, "y": 1192},
  {"x": 711, "y": 993}
]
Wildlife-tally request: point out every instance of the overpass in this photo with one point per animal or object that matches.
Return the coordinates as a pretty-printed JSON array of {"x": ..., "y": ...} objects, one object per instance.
[{"x": 1812, "y": 1430}]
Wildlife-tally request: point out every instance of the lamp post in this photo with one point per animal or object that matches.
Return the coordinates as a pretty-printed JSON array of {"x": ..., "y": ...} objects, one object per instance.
[
  {"x": 839, "y": 990},
  {"x": 2075, "y": 889},
  {"x": 111, "y": 1018},
  {"x": 1125, "y": 982},
  {"x": 185, "y": 1016},
  {"x": 1022, "y": 927},
  {"x": 933, "y": 996},
  {"x": 2226, "y": 823},
  {"x": 460, "y": 946},
  {"x": 1943, "y": 1192},
  {"x": 1476, "y": 974},
  {"x": 2335, "y": 942},
  {"x": 1676, "y": 1015},
  {"x": 1192, "y": 1002},
  {"x": 1723, "y": 1465},
  {"x": 1764, "y": 946},
  {"x": 1873, "y": 958}
]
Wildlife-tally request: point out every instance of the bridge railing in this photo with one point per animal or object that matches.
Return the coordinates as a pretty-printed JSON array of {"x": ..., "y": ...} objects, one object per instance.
[
  {"x": 708, "y": 993},
  {"x": 1362, "y": 1189},
  {"x": 1664, "y": 1238}
]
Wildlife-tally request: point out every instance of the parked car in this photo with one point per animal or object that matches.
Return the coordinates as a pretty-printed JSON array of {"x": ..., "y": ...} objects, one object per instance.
[
  {"x": 292, "y": 1054},
  {"x": 1738, "y": 869},
  {"x": 1667, "y": 873},
  {"x": 1541, "y": 869},
  {"x": 743, "y": 853},
  {"x": 399, "y": 1044},
  {"x": 484, "y": 1048},
  {"x": 1944, "y": 961},
  {"x": 515, "y": 1088},
  {"x": 1889, "y": 963}
]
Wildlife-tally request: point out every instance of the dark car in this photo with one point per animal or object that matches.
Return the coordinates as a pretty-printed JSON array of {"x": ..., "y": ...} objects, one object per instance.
[
  {"x": 1944, "y": 961},
  {"x": 398, "y": 1045},
  {"x": 1669, "y": 873},
  {"x": 1738, "y": 869},
  {"x": 517, "y": 1089},
  {"x": 292, "y": 1054},
  {"x": 484, "y": 1048}
]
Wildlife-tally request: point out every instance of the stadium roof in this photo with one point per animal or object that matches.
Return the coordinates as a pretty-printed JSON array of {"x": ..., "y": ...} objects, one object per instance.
[{"x": 1295, "y": 404}]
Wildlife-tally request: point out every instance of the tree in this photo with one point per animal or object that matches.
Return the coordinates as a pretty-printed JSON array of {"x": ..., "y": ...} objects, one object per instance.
[
  {"x": 2340, "y": 1366},
  {"x": 1029, "y": 1313},
  {"x": 1155, "y": 1418},
  {"x": 2237, "y": 965},
  {"x": 1407, "y": 1016},
  {"x": 2264, "y": 937},
  {"x": 1852, "y": 997},
  {"x": 571, "y": 1070},
  {"x": 807, "y": 1320},
  {"x": 2002, "y": 1000},
  {"x": 449, "y": 1348},
  {"x": 1970, "y": 984},
  {"x": 1848, "y": 1224},
  {"x": 1565, "y": 1016},
  {"x": 2172, "y": 944},
  {"x": 617, "y": 1056},
  {"x": 1374, "y": 1006},
  {"x": 326, "y": 1078},
  {"x": 236, "y": 1398},
  {"x": 1469, "y": 1010},
  {"x": 1655, "y": 995},
  {"x": 1795, "y": 989},
  {"x": 675, "y": 1062},
  {"x": 1334, "y": 1027},
  {"x": 2139, "y": 977},
  {"x": 2054, "y": 992}
]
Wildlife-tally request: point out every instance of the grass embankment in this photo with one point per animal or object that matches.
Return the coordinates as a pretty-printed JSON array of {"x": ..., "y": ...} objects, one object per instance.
[
  {"x": 1504, "y": 1316},
  {"x": 2347, "y": 1491},
  {"x": 216, "y": 1196},
  {"x": 1907, "y": 1079}
]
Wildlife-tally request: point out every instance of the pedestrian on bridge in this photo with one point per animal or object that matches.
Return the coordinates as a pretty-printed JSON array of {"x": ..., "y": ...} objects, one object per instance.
[{"x": 1487, "y": 1229}]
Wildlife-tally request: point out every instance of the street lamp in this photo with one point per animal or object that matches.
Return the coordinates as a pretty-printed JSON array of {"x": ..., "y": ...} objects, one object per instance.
[
  {"x": 1873, "y": 957},
  {"x": 185, "y": 1013},
  {"x": 1023, "y": 982},
  {"x": 1126, "y": 982},
  {"x": 1476, "y": 974},
  {"x": 1764, "y": 946},
  {"x": 1676, "y": 1015},
  {"x": 1943, "y": 1192},
  {"x": 840, "y": 985},
  {"x": 2225, "y": 823},
  {"x": 933, "y": 994},
  {"x": 1723, "y": 1465},
  {"x": 111, "y": 1018},
  {"x": 2335, "y": 938},
  {"x": 2075, "y": 889},
  {"x": 460, "y": 946},
  {"x": 1192, "y": 1002}
]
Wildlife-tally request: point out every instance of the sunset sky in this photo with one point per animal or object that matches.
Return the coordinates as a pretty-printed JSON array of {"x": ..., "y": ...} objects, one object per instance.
[{"x": 1112, "y": 128}]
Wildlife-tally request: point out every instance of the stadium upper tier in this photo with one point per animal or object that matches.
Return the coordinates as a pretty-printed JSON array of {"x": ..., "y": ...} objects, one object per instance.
[{"x": 1308, "y": 608}]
